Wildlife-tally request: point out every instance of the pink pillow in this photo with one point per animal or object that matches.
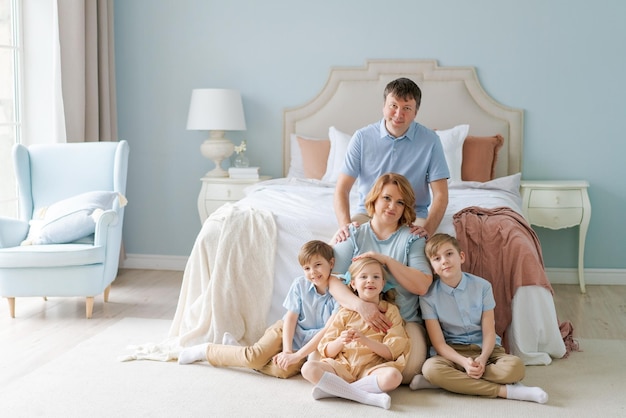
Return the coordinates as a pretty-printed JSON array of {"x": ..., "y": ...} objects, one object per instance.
[
  {"x": 314, "y": 157},
  {"x": 480, "y": 154}
]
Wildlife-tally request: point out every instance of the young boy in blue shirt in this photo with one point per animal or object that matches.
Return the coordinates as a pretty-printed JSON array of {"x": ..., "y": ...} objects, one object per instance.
[
  {"x": 467, "y": 356},
  {"x": 285, "y": 346}
]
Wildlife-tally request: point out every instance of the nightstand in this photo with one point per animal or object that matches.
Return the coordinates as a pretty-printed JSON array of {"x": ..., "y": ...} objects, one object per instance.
[
  {"x": 557, "y": 205},
  {"x": 216, "y": 191}
]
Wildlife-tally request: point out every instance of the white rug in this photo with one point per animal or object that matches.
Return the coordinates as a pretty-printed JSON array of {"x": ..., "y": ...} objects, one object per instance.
[{"x": 89, "y": 381}]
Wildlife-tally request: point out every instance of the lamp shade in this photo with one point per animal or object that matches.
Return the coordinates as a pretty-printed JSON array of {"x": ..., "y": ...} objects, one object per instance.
[{"x": 216, "y": 109}]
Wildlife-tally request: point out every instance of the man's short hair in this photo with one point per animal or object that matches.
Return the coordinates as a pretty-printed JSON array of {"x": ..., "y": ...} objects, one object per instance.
[{"x": 404, "y": 88}]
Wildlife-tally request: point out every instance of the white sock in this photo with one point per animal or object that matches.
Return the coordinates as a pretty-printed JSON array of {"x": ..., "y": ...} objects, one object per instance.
[
  {"x": 526, "y": 393},
  {"x": 193, "y": 354},
  {"x": 320, "y": 394},
  {"x": 335, "y": 385},
  {"x": 368, "y": 384},
  {"x": 420, "y": 382},
  {"x": 229, "y": 339}
]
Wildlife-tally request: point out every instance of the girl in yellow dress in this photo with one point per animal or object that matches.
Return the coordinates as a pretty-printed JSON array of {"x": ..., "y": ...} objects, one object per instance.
[{"x": 359, "y": 363}]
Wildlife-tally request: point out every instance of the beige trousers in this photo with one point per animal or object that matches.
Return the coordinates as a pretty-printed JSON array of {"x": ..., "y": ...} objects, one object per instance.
[
  {"x": 257, "y": 356},
  {"x": 502, "y": 369}
]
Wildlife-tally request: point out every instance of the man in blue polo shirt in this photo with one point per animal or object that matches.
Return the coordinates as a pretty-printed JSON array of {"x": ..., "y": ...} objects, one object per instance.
[{"x": 395, "y": 144}]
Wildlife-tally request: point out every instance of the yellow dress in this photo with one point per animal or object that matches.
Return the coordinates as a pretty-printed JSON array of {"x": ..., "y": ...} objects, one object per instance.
[{"x": 356, "y": 360}]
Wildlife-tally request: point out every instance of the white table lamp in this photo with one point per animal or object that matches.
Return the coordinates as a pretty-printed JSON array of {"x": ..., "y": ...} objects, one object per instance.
[{"x": 216, "y": 110}]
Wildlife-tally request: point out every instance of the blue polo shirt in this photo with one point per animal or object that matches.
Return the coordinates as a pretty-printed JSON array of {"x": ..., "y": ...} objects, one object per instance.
[
  {"x": 313, "y": 309},
  {"x": 417, "y": 155},
  {"x": 459, "y": 310}
]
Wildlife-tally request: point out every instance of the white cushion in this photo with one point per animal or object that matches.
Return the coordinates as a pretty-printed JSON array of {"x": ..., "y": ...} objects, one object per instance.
[
  {"x": 70, "y": 219},
  {"x": 510, "y": 184},
  {"x": 452, "y": 142},
  {"x": 338, "y": 147}
]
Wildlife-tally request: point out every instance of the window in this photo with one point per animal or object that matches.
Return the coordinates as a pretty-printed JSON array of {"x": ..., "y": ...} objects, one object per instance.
[{"x": 10, "y": 126}]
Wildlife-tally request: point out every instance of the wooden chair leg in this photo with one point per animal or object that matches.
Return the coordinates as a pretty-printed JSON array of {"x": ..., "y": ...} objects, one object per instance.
[
  {"x": 106, "y": 293},
  {"x": 89, "y": 306},
  {"x": 11, "y": 306}
]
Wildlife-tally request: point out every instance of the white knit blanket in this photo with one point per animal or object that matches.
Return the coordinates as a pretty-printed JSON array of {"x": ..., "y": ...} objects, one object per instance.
[{"x": 227, "y": 283}]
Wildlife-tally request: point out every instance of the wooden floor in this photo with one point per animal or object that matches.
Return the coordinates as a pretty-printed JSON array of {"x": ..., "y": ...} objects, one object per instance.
[{"x": 43, "y": 330}]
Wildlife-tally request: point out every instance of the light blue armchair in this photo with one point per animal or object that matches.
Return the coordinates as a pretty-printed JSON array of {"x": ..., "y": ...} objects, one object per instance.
[{"x": 70, "y": 187}]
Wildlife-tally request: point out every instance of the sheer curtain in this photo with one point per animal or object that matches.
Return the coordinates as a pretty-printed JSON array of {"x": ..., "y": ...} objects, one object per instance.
[{"x": 69, "y": 71}]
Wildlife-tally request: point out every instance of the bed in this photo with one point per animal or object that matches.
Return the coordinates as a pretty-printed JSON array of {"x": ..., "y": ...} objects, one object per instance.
[{"x": 240, "y": 287}]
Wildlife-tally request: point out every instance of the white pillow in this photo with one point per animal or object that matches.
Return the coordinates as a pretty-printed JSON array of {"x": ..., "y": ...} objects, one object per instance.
[
  {"x": 296, "y": 165},
  {"x": 452, "y": 142},
  {"x": 70, "y": 219},
  {"x": 338, "y": 147},
  {"x": 510, "y": 184}
]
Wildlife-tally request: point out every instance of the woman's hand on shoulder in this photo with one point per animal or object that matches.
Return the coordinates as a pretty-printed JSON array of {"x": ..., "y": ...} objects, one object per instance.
[{"x": 343, "y": 233}]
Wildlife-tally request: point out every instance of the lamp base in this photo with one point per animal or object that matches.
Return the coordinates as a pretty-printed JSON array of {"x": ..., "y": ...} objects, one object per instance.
[
  {"x": 216, "y": 172},
  {"x": 217, "y": 149}
]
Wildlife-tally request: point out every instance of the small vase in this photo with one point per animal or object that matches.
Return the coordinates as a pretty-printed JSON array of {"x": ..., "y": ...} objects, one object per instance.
[{"x": 241, "y": 160}]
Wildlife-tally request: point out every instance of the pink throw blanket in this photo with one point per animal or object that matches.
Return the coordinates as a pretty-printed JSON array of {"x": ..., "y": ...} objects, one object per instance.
[{"x": 501, "y": 247}]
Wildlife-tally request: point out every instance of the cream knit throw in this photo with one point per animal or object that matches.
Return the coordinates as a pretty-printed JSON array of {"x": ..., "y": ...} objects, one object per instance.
[{"x": 227, "y": 284}]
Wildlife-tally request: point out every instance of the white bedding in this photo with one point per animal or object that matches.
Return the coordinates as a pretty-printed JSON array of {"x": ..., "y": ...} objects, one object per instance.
[
  {"x": 303, "y": 210},
  {"x": 503, "y": 191}
]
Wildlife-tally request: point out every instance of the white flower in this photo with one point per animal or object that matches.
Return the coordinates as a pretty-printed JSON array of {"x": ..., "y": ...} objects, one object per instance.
[{"x": 241, "y": 147}]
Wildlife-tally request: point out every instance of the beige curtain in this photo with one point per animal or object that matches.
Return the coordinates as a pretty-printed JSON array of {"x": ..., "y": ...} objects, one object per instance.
[{"x": 86, "y": 46}]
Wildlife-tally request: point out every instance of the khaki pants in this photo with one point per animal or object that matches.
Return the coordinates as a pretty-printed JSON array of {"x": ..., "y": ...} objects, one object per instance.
[
  {"x": 257, "y": 356},
  {"x": 501, "y": 369}
]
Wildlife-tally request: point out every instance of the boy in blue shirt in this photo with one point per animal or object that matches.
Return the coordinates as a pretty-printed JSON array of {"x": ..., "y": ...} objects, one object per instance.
[
  {"x": 309, "y": 306},
  {"x": 467, "y": 356}
]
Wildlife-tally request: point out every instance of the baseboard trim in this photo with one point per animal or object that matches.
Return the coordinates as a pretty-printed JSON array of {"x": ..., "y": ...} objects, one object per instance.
[
  {"x": 154, "y": 262},
  {"x": 592, "y": 276},
  {"x": 555, "y": 275}
]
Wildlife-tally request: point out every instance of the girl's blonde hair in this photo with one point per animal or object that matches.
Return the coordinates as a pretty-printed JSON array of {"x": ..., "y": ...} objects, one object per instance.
[
  {"x": 405, "y": 189},
  {"x": 358, "y": 265}
]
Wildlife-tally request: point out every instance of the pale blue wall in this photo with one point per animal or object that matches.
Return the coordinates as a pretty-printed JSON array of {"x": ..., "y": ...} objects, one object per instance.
[{"x": 562, "y": 61}]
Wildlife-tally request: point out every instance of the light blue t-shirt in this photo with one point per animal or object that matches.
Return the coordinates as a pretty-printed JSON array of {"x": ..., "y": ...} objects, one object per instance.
[
  {"x": 418, "y": 155},
  {"x": 403, "y": 246},
  {"x": 459, "y": 310},
  {"x": 313, "y": 309}
]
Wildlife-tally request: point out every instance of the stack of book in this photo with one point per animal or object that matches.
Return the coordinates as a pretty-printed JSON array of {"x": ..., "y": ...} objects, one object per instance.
[{"x": 243, "y": 172}]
